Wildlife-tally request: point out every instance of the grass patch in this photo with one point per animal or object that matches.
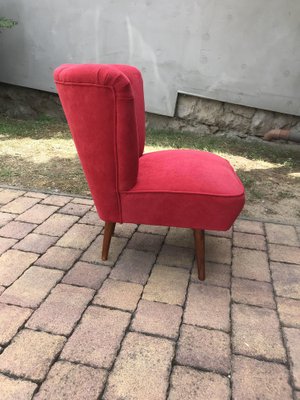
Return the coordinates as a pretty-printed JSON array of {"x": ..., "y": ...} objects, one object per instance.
[
  {"x": 40, "y": 154},
  {"x": 43, "y": 127},
  {"x": 285, "y": 195},
  {"x": 262, "y": 151}
]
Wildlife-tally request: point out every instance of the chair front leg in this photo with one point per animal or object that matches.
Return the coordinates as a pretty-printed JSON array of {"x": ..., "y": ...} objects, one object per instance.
[
  {"x": 199, "y": 237},
  {"x": 109, "y": 229}
]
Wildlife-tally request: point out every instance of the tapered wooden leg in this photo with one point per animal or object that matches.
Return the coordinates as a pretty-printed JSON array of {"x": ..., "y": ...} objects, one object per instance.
[
  {"x": 109, "y": 229},
  {"x": 199, "y": 237}
]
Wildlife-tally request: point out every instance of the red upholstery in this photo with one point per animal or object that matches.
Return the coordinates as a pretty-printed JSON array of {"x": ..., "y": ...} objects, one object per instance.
[
  {"x": 185, "y": 188},
  {"x": 104, "y": 106}
]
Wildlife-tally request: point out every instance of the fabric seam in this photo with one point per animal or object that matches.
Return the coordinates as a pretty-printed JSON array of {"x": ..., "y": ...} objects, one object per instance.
[
  {"x": 116, "y": 155},
  {"x": 180, "y": 192},
  {"x": 92, "y": 84}
]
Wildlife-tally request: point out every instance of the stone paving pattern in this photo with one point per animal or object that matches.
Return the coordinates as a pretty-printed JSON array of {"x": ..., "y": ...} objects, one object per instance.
[{"x": 141, "y": 325}]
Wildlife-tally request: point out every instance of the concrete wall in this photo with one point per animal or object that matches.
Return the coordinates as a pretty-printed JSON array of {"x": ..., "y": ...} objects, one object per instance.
[{"x": 237, "y": 51}]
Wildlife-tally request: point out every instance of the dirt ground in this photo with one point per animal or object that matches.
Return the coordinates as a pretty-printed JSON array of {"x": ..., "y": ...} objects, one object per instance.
[{"x": 273, "y": 193}]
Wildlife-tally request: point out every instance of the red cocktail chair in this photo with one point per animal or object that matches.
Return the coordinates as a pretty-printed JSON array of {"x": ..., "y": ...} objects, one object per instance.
[{"x": 104, "y": 106}]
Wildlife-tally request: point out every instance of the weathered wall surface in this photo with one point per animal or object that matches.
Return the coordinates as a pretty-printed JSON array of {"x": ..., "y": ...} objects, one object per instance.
[
  {"x": 203, "y": 116},
  {"x": 236, "y": 51}
]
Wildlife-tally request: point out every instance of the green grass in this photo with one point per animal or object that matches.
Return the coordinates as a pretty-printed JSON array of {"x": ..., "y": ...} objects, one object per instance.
[
  {"x": 43, "y": 127},
  {"x": 39, "y": 153},
  {"x": 285, "y": 195},
  {"x": 262, "y": 151}
]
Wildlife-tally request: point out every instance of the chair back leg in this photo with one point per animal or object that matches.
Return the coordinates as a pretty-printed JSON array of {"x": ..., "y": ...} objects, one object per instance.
[
  {"x": 109, "y": 229},
  {"x": 199, "y": 237}
]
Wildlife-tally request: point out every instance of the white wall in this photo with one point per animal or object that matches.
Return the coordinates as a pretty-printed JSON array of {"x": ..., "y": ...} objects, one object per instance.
[{"x": 240, "y": 51}]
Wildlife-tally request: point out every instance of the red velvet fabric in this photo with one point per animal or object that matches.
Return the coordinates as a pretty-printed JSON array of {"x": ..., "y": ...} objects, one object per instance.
[
  {"x": 184, "y": 188},
  {"x": 104, "y": 106},
  {"x": 136, "y": 82}
]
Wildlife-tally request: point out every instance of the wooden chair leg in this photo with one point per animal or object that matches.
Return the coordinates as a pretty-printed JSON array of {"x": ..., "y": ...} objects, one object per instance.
[
  {"x": 199, "y": 237},
  {"x": 109, "y": 229}
]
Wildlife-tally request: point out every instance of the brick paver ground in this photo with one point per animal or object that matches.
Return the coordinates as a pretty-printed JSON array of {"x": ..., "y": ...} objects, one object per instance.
[{"x": 141, "y": 326}]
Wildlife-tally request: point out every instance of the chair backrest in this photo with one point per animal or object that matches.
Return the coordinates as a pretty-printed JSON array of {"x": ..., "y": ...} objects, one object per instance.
[{"x": 104, "y": 107}]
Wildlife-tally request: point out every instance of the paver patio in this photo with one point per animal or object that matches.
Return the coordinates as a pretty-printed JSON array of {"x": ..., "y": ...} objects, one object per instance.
[{"x": 141, "y": 326}]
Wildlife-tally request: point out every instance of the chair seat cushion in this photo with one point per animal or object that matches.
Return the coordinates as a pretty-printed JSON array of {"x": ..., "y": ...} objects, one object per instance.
[{"x": 184, "y": 188}]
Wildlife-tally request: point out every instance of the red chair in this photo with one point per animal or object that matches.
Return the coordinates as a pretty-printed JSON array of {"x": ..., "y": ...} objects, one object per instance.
[{"x": 104, "y": 107}]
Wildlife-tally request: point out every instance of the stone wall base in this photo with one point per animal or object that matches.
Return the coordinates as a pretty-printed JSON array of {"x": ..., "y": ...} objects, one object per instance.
[
  {"x": 25, "y": 103},
  {"x": 193, "y": 114},
  {"x": 202, "y": 116}
]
